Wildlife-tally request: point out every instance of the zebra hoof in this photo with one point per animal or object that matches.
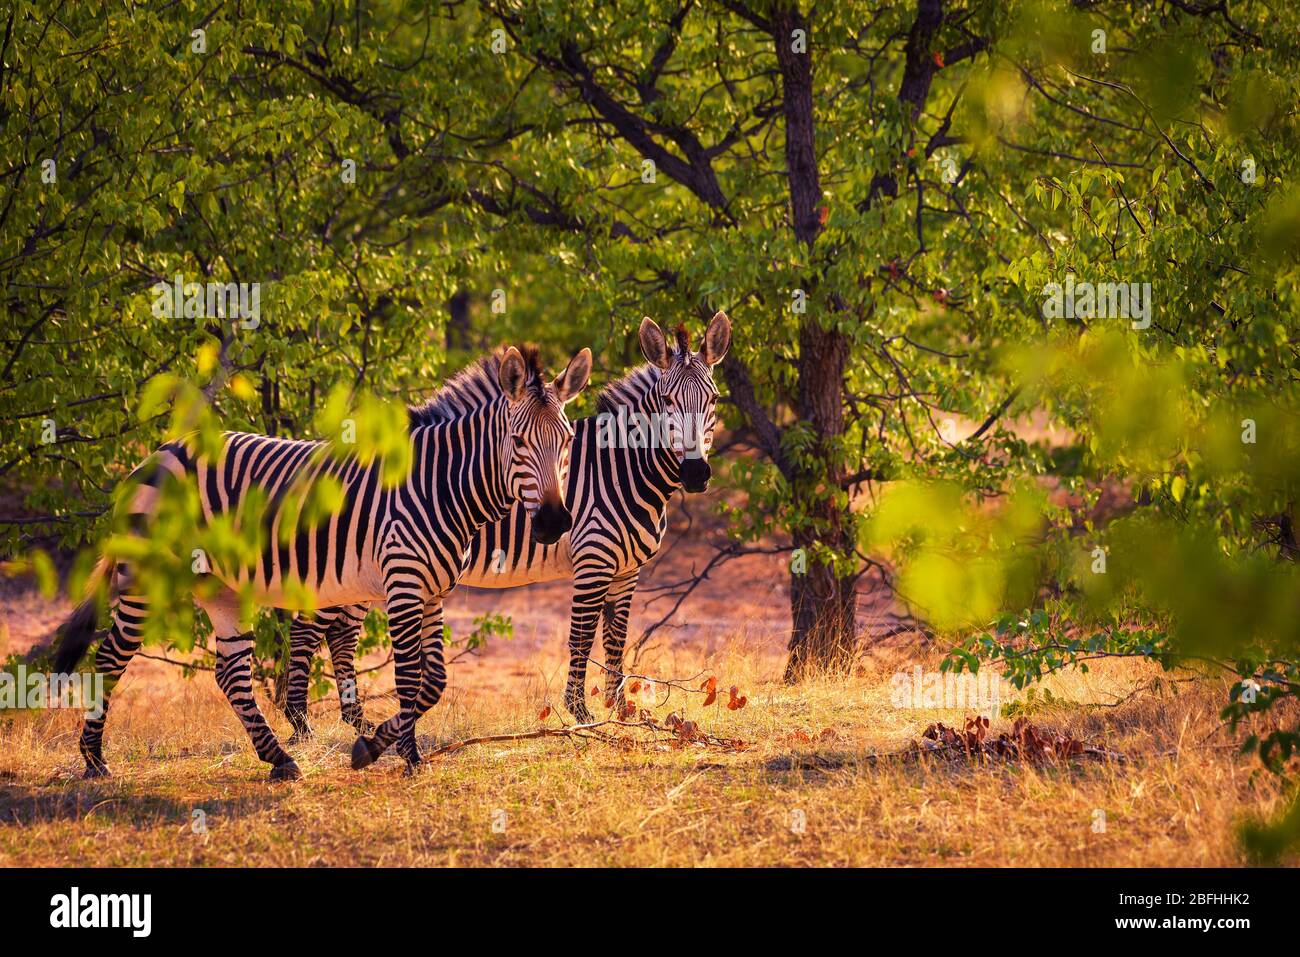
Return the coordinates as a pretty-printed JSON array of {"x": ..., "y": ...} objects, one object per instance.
[
  {"x": 364, "y": 727},
  {"x": 364, "y": 754},
  {"x": 287, "y": 771},
  {"x": 94, "y": 771},
  {"x": 580, "y": 713},
  {"x": 412, "y": 767},
  {"x": 301, "y": 736}
]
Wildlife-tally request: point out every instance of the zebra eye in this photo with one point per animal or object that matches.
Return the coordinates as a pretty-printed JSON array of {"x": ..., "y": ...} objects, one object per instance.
[{"x": 519, "y": 441}]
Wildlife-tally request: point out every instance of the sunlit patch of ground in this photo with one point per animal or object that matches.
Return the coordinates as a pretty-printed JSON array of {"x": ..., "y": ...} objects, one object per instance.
[{"x": 188, "y": 790}]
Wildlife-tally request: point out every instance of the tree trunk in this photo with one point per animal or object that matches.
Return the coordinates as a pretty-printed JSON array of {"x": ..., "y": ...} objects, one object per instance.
[
  {"x": 822, "y": 604},
  {"x": 822, "y": 612},
  {"x": 458, "y": 330}
]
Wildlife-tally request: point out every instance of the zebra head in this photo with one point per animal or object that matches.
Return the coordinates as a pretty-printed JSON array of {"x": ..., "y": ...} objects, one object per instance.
[
  {"x": 537, "y": 460},
  {"x": 686, "y": 392}
]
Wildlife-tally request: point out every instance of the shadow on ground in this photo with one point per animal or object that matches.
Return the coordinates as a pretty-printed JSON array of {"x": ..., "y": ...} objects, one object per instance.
[{"x": 113, "y": 804}]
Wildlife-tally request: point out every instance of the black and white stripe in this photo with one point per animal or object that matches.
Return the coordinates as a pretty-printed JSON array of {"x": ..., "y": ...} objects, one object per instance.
[
  {"x": 618, "y": 497},
  {"x": 495, "y": 436}
]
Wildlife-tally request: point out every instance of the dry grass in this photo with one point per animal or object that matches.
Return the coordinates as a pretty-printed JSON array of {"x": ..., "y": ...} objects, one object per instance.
[{"x": 176, "y": 748}]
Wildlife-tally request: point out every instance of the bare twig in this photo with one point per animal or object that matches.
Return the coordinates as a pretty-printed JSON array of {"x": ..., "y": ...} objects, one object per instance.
[{"x": 684, "y": 732}]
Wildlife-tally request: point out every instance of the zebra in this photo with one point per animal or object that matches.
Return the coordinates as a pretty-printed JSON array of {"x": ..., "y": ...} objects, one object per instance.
[
  {"x": 618, "y": 496},
  {"x": 340, "y": 628},
  {"x": 494, "y": 435}
]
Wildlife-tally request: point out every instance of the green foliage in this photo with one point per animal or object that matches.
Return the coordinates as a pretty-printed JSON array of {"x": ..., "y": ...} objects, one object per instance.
[
  {"x": 486, "y": 627},
  {"x": 1269, "y": 841},
  {"x": 959, "y": 566},
  {"x": 1037, "y": 643}
]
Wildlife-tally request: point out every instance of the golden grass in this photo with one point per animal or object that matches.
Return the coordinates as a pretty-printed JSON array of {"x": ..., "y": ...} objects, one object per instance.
[{"x": 176, "y": 748}]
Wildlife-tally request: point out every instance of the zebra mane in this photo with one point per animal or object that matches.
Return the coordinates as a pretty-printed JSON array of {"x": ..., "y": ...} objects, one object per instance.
[
  {"x": 629, "y": 390},
  {"x": 476, "y": 387}
]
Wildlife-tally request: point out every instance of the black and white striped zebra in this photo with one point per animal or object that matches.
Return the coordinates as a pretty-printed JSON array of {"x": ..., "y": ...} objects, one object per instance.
[
  {"x": 494, "y": 436},
  {"x": 340, "y": 629},
  {"x": 618, "y": 496}
]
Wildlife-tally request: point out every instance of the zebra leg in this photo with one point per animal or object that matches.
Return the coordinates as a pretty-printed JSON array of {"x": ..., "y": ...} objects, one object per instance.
[
  {"x": 114, "y": 654},
  {"x": 405, "y": 621},
  {"x": 342, "y": 640},
  {"x": 304, "y": 642},
  {"x": 434, "y": 678},
  {"x": 235, "y": 678},
  {"x": 618, "y": 603},
  {"x": 590, "y": 585}
]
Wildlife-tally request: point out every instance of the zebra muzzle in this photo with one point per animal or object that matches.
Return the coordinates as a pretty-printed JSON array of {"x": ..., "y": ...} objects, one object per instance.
[
  {"x": 696, "y": 474},
  {"x": 550, "y": 522}
]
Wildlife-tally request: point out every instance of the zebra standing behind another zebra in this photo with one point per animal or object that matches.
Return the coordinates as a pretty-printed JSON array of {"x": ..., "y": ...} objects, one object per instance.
[
  {"x": 618, "y": 495},
  {"x": 495, "y": 435}
]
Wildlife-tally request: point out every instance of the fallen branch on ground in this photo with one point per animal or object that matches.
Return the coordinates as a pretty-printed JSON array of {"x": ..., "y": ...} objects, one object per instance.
[{"x": 674, "y": 733}]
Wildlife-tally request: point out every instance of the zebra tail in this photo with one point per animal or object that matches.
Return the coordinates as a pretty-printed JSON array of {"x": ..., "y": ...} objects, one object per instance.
[{"x": 77, "y": 633}]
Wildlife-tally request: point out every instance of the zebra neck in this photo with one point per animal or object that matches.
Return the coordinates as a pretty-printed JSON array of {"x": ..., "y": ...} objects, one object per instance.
[
  {"x": 463, "y": 460},
  {"x": 657, "y": 465},
  {"x": 661, "y": 463}
]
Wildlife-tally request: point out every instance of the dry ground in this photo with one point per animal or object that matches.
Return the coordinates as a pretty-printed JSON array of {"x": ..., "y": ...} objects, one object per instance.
[{"x": 176, "y": 750}]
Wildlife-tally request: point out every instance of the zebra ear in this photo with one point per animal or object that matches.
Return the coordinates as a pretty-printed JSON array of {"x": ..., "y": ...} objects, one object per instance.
[
  {"x": 574, "y": 377},
  {"x": 513, "y": 374},
  {"x": 717, "y": 339},
  {"x": 653, "y": 344}
]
